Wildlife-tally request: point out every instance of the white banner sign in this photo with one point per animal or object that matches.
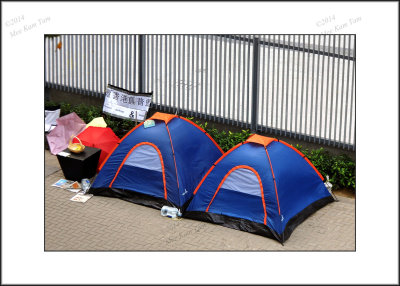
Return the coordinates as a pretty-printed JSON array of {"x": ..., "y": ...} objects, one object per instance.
[{"x": 125, "y": 104}]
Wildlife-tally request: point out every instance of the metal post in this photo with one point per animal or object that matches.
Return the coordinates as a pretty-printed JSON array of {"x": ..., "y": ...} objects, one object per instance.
[
  {"x": 142, "y": 68},
  {"x": 255, "y": 85}
]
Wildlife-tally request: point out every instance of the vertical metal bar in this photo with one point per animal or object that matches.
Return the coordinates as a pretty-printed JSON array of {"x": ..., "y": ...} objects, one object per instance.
[
  {"x": 197, "y": 75},
  {"x": 302, "y": 89},
  {"x": 85, "y": 65},
  {"x": 312, "y": 89},
  {"x": 45, "y": 54},
  {"x": 220, "y": 80},
  {"x": 255, "y": 81},
  {"x": 55, "y": 51},
  {"x": 342, "y": 92},
  {"x": 277, "y": 86},
  {"x": 174, "y": 81},
  {"x": 135, "y": 60},
  {"x": 80, "y": 64},
  {"x": 57, "y": 65},
  {"x": 141, "y": 57},
  {"x": 347, "y": 92},
  {"x": 297, "y": 89},
  {"x": 147, "y": 63},
  {"x": 206, "y": 82},
  {"x": 152, "y": 65},
  {"x": 327, "y": 88},
  {"x": 183, "y": 72},
  {"x": 332, "y": 87},
  {"x": 73, "y": 63},
  {"x": 161, "y": 77},
  {"x": 215, "y": 79},
  {"x": 267, "y": 95},
  {"x": 292, "y": 119},
  {"x": 53, "y": 72},
  {"x": 107, "y": 56},
  {"x": 166, "y": 101},
  {"x": 273, "y": 82},
  {"x": 188, "y": 76},
  {"x": 283, "y": 85},
  {"x": 287, "y": 86},
  {"x": 243, "y": 82},
  {"x": 75, "y": 37},
  {"x": 156, "y": 98},
  {"x": 129, "y": 64},
  {"x": 117, "y": 62},
  {"x": 238, "y": 92},
  {"x": 54, "y": 62},
  {"x": 336, "y": 96},
  {"x": 170, "y": 73},
  {"x": 178, "y": 105},
  {"x": 211, "y": 77},
  {"x": 113, "y": 60},
  {"x": 234, "y": 81},
  {"x": 51, "y": 62},
  {"x": 229, "y": 79},
  {"x": 224, "y": 80},
  {"x": 126, "y": 62},
  {"x": 352, "y": 93},
  {"x": 64, "y": 44},
  {"x": 109, "y": 61},
  {"x": 316, "y": 90},
  {"x": 101, "y": 64},
  {"x": 46, "y": 60},
  {"x": 307, "y": 84},
  {"x": 322, "y": 92},
  {"x": 120, "y": 60},
  {"x": 248, "y": 83},
  {"x": 263, "y": 83},
  {"x": 97, "y": 66},
  {"x": 93, "y": 91},
  {"x": 202, "y": 87},
  {"x": 192, "y": 77},
  {"x": 69, "y": 63}
]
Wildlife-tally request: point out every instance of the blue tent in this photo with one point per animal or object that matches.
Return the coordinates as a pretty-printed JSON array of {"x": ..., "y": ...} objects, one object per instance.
[
  {"x": 158, "y": 165},
  {"x": 263, "y": 186}
]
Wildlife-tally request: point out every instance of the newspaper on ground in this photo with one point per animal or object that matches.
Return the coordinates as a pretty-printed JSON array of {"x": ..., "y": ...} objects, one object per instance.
[
  {"x": 81, "y": 198},
  {"x": 63, "y": 183}
]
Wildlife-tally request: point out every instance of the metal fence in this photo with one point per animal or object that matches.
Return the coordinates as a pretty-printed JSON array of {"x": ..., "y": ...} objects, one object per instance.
[{"x": 301, "y": 86}]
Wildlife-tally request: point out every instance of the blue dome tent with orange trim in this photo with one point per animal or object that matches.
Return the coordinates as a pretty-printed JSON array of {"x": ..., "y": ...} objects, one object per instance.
[
  {"x": 158, "y": 165},
  {"x": 263, "y": 186}
]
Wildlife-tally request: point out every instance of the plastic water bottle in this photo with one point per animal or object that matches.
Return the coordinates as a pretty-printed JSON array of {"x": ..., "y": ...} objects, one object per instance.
[
  {"x": 85, "y": 183},
  {"x": 170, "y": 212}
]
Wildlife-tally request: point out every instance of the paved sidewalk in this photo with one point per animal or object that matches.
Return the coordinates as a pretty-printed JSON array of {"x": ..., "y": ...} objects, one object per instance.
[{"x": 112, "y": 224}]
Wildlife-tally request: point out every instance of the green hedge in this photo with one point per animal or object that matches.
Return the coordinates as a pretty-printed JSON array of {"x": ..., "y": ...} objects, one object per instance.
[{"x": 340, "y": 168}]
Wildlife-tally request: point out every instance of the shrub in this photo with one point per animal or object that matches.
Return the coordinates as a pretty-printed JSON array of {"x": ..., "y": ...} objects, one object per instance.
[{"x": 340, "y": 168}]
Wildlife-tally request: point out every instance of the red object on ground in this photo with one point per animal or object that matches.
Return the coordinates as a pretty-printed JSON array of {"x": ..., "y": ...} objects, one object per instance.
[{"x": 98, "y": 137}]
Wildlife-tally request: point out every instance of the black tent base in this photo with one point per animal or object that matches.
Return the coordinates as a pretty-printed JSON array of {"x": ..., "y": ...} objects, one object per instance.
[
  {"x": 233, "y": 222},
  {"x": 131, "y": 196},
  {"x": 258, "y": 228}
]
